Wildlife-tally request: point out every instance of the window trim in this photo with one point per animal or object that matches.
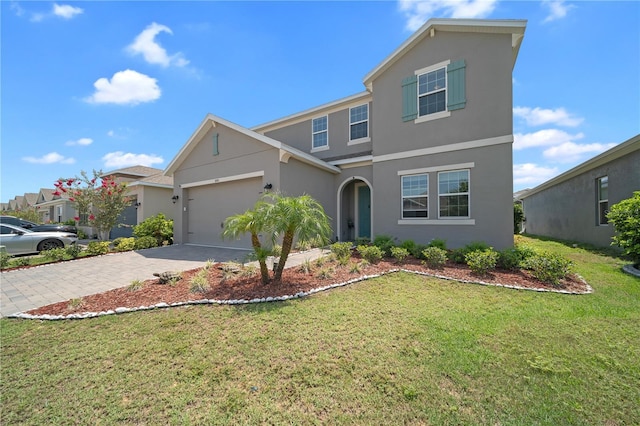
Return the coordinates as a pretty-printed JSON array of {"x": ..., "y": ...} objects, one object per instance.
[
  {"x": 313, "y": 133},
  {"x": 468, "y": 194},
  {"x": 436, "y": 115},
  {"x": 402, "y": 197},
  {"x": 600, "y": 201},
  {"x": 366, "y": 138}
]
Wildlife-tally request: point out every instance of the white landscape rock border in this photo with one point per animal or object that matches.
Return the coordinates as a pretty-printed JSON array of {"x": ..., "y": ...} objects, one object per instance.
[{"x": 123, "y": 310}]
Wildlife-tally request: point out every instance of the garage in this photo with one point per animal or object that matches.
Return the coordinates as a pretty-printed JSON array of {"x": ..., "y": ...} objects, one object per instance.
[{"x": 209, "y": 205}]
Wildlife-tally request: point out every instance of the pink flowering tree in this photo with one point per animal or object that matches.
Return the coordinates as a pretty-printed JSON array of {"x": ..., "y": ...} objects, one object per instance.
[{"x": 101, "y": 198}]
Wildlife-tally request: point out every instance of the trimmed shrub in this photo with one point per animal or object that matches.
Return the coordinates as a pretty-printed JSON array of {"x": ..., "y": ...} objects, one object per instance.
[
  {"x": 363, "y": 241},
  {"x": 158, "y": 227},
  {"x": 549, "y": 267},
  {"x": 342, "y": 252},
  {"x": 95, "y": 248},
  {"x": 513, "y": 258},
  {"x": 371, "y": 254},
  {"x": 458, "y": 255},
  {"x": 418, "y": 250},
  {"x": 438, "y": 242},
  {"x": 409, "y": 245},
  {"x": 4, "y": 259},
  {"x": 55, "y": 254},
  {"x": 73, "y": 250},
  {"x": 625, "y": 217},
  {"x": 384, "y": 243},
  {"x": 482, "y": 261},
  {"x": 434, "y": 257},
  {"x": 399, "y": 253},
  {"x": 145, "y": 243},
  {"x": 124, "y": 244}
]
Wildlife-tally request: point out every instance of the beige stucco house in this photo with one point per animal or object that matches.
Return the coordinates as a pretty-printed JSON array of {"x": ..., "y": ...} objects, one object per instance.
[{"x": 424, "y": 152}]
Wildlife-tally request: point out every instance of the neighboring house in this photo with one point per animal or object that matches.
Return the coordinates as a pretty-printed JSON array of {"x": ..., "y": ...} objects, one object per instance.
[
  {"x": 54, "y": 206},
  {"x": 573, "y": 206},
  {"x": 4, "y": 206},
  {"x": 424, "y": 152},
  {"x": 150, "y": 192},
  {"x": 30, "y": 200}
]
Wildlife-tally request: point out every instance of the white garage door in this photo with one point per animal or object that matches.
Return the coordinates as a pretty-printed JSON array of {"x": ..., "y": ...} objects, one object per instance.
[{"x": 209, "y": 205}]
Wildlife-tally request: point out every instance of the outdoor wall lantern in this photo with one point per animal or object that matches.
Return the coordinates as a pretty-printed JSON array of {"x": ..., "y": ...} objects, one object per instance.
[
  {"x": 138, "y": 204},
  {"x": 174, "y": 199},
  {"x": 268, "y": 186}
]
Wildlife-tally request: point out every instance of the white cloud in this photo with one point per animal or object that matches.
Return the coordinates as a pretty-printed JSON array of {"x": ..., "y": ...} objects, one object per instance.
[
  {"x": 547, "y": 137},
  {"x": 558, "y": 9},
  {"x": 125, "y": 87},
  {"x": 539, "y": 116},
  {"x": 51, "y": 158},
  {"x": 17, "y": 9},
  {"x": 111, "y": 133},
  {"x": 80, "y": 142},
  {"x": 37, "y": 17},
  {"x": 569, "y": 152},
  {"x": 146, "y": 45},
  {"x": 418, "y": 12},
  {"x": 532, "y": 174},
  {"x": 121, "y": 159},
  {"x": 66, "y": 11}
]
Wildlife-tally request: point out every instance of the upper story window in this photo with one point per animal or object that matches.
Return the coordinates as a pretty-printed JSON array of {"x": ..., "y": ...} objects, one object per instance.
[
  {"x": 320, "y": 132},
  {"x": 415, "y": 196},
  {"x": 603, "y": 200},
  {"x": 432, "y": 92},
  {"x": 359, "y": 122},
  {"x": 453, "y": 193}
]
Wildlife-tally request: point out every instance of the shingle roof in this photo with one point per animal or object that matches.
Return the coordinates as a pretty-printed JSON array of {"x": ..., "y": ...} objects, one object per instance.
[{"x": 135, "y": 171}]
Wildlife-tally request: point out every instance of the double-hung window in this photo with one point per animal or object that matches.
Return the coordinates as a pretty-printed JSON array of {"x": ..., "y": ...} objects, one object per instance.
[
  {"x": 359, "y": 122},
  {"x": 415, "y": 196},
  {"x": 603, "y": 200},
  {"x": 432, "y": 92},
  {"x": 453, "y": 194},
  {"x": 320, "y": 133}
]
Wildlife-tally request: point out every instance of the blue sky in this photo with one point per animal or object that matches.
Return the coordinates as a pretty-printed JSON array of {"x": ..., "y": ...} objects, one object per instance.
[{"x": 105, "y": 85}]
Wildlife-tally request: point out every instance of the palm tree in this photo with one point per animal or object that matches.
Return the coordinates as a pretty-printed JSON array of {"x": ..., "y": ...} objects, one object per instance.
[
  {"x": 252, "y": 221},
  {"x": 302, "y": 217}
]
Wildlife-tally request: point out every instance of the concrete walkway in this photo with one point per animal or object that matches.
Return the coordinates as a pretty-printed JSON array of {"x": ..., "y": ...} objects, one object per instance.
[{"x": 26, "y": 289}]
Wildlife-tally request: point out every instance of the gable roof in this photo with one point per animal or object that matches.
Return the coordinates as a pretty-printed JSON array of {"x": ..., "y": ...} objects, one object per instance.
[
  {"x": 134, "y": 171},
  {"x": 432, "y": 26},
  {"x": 30, "y": 198},
  {"x": 158, "y": 180},
  {"x": 45, "y": 194},
  {"x": 212, "y": 121},
  {"x": 614, "y": 153}
]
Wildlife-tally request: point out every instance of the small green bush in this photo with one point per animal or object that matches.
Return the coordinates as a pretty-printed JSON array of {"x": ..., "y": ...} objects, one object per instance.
[
  {"x": 82, "y": 235},
  {"x": 5, "y": 258},
  {"x": 384, "y": 243},
  {"x": 145, "y": 243},
  {"x": 124, "y": 244},
  {"x": 438, "y": 242},
  {"x": 458, "y": 255},
  {"x": 73, "y": 250},
  {"x": 518, "y": 217},
  {"x": 625, "y": 217},
  {"x": 22, "y": 261},
  {"x": 55, "y": 254},
  {"x": 409, "y": 245},
  {"x": 342, "y": 251},
  {"x": 513, "y": 258},
  {"x": 434, "y": 257},
  {"x": 363, "y": 241},
  {"x": 549, "y": 267},
  {"x": 482, "y": 261},
  {"x": 199, "y": 282},
  {"x": 418, "y": 250},
  {"x": 371, "y": 254},
  {"x": 399, "y": 253},
  {"x": 70, "y": 222},
  {"x": 135, "y": 285},
  {"x": 95, "y": 248},
  {"x": 158, "y": 227}
]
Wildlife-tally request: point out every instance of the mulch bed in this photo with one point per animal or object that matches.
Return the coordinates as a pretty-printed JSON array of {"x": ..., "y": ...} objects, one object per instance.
[{"x": 294, "y": 281}]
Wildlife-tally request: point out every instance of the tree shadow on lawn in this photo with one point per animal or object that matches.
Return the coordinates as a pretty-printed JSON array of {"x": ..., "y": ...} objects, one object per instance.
[{"x": 614, "y": 252}]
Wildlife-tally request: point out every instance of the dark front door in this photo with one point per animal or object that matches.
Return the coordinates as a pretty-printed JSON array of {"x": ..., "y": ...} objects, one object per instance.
[{"x": 364, "y": 212}]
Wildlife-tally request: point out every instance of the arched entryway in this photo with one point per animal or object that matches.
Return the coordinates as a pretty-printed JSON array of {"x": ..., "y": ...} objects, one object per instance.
[{"x": 355, "y": 218}]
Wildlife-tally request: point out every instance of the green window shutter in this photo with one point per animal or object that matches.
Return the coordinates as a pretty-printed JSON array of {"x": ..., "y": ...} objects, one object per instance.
[
  {"x": 456, "y": 82},
  {"x": 215, "y": 144},
  {"x": 409, "y": 98}
]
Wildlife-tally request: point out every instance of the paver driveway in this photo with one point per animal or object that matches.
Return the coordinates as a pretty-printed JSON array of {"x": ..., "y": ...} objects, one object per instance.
[{"x": 31, "y": 288}]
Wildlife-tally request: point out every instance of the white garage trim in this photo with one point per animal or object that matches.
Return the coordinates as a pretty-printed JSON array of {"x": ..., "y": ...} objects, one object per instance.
[{"x": 224, "y": 179}]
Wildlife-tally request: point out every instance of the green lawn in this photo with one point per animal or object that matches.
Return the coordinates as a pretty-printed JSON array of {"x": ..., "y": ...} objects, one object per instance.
[{"x": 401, "y": 349}]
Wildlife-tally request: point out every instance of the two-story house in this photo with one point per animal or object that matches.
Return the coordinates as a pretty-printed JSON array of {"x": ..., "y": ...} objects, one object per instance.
[{"x": 424, "y": 152}]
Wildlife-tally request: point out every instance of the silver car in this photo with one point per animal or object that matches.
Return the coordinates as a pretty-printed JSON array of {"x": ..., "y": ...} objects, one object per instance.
[{"x": 18, "y": 240}]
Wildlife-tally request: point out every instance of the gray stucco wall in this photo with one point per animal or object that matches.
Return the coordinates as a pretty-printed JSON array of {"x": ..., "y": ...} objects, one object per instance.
[
  {"x": 299, "y": 135},
  {"x": 569, "y": 210},
  {"x": 488, "y": 111},
  {"x": 490, "y": 196}
]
